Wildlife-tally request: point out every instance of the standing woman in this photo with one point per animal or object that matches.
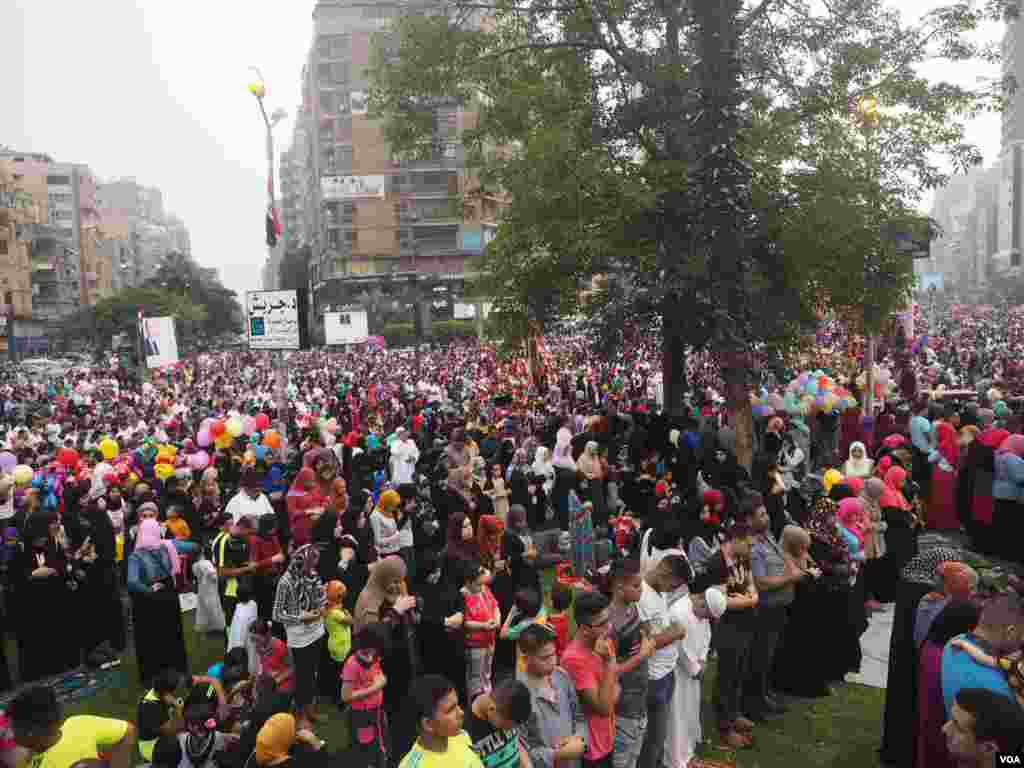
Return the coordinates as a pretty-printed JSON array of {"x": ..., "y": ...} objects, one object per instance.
[
  {"x": 589, "y": 465},
  {"x": 104, "y": 594},
  {"x": 942, "y": 513},
  {"x": 1008, "y": 493},
  {"x": 299, "y": 605},
  {"x": 156, "y": 612},
  {"x": 42, "y": 600}
]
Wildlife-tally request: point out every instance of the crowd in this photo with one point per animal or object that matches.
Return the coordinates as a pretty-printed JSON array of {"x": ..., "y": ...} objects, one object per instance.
[{"x": 483, "y": 564}]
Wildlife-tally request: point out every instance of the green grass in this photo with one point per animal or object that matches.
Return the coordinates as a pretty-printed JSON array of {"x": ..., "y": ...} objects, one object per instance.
[{"x": 841, "y": 731}]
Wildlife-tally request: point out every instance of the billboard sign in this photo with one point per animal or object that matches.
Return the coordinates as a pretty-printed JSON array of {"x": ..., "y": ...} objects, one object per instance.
[
  {"x": 360, "y": 102},
  {"x": 464, "y": 311},
  {"x": 159, "y": 341},
  {"x": 273, "y": 319},
  {"x": 353, "y": 187},
  {"x": 347, "y": 327}
]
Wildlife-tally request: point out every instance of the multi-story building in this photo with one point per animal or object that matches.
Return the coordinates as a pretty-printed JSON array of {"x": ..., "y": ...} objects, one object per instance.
[{"x": 373, "y": 220}]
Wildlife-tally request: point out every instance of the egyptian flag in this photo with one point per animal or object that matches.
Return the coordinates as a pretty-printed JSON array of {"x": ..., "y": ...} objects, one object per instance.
[{"x": 273, "y": 225}]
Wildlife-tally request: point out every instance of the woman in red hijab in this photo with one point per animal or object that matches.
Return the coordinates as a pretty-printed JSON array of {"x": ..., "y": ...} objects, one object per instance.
[
  {"x": 945, "y": 460},
  {"x": 901, "y": 531},
  {"x": 305, "y": 505}
]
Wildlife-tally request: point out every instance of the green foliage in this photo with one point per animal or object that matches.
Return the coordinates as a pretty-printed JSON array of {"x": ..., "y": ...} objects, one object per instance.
[
  {"x": 119, "y": 313},
  {"x": 179, "y": 274},
  {"x": 710, "y": 160},
  {"x": 399, "y": 334},
  {"x": 450, "y": 330}
]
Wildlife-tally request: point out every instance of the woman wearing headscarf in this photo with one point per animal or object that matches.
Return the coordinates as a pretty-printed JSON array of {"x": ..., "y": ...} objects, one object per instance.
[
  {"x": 38, "y": 579},
  {"x": 945, "y": 459},
  {"x": 386, "y": 600},
  {"x": 592, "y": 483},
  {"x": 517, "y": 478},
  {"x": 299, "y": 605},
  {"x": 280, "y": 744},
  {"x": 901, "y": 531},
  {"x": 542, "y": 479},
  {"x": 156, "y": 612},
  {"x": 899, "y": 734},
  {"x": 101, "y": 591},
  {"x": 1008, "y": 493},
  {"x": 460, "y": 547},
  {"x": 305, "y": 505},
  {"x": 858, "y": 464},
  {"x": 874, "y": 542},
  {"x": 356, "y": 535},
  {"x": 980, "y": 463}
]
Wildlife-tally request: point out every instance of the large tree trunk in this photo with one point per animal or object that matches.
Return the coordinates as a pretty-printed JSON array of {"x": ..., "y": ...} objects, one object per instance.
[
  {"x": 673, "y": 369},
  {"x": 736, "y": 372}
]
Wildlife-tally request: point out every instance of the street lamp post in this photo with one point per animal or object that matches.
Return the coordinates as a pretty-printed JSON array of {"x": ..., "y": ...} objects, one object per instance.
[
  {"x": 869, "y": 116},
  {"x": 258, "y": 89}
]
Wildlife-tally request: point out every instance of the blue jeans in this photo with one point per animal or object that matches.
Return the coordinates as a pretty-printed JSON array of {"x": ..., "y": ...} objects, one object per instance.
[
  {"x": 659, "y": 697},
  {"x": 186, "y": 547}
]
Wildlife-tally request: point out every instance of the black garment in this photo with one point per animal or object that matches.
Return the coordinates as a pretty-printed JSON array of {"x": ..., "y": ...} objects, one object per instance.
[
  {"x": 800, "y": 667},
  {"x": 159, "y": 639},
  {"x": 770, "y": 624},
  {"x": 900, "y": 549},
  {"x": 899, "y": 725},
  {"x": 45, "y": 611},
  {"x": 732, "y": 640},
  {"x": 496, "y": 748}
]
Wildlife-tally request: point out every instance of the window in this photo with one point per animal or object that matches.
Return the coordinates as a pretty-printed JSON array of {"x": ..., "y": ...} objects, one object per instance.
[
  {"x": 1015, "y": 259},
  {"x": 432, "y": 180},
  {"x": 340, "y": 46},
  {"x": 348, "y": 211},
  {"x": 3, "y": 247},
  {"x": 58, "y": 180},
  {"x": 351, "y": 237},
  {"x": 340, "y": 71},
  {"x": 346, "y": 155},
  {"x": 328, "y": 102}
]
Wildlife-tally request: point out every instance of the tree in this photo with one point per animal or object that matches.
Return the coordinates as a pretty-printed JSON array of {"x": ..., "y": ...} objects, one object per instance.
[
  {"x": 178, "y": 273},
  {"x": 705, "y": 157},
  {"x": 293, "y": 275}
]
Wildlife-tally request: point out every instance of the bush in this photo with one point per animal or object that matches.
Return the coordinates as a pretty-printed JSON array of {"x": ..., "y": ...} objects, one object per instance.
[
  {"x": 445, "y": 331},
  {"x": 399, "y": 334}
]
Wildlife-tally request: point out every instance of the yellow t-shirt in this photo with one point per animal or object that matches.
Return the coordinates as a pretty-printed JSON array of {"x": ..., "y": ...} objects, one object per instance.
[
  {"x": 82, "y": 738},
  {"x": 459, "y": 754}
]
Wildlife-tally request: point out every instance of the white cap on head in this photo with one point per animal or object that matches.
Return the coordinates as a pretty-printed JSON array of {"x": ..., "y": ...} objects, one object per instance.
[{"x": 716, "y": 601}]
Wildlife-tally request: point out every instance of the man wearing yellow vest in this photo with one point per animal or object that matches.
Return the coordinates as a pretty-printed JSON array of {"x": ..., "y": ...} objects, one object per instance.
[
  {"x": 160, "y": 712},
  {"x": 231, "y": 557}
]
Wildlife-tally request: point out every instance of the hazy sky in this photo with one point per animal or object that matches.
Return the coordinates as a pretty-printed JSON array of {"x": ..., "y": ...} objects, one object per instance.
[{"x": 157, "y": 90}]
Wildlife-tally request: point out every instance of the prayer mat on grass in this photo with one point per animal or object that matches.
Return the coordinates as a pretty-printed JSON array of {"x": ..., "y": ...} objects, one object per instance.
[{"x": 78, "y": 684}]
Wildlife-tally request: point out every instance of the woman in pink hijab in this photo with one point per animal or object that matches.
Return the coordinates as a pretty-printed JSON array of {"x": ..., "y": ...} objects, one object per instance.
[
  {"x": 1008, "y": 495},
  {"x": 156, "y": 612}
]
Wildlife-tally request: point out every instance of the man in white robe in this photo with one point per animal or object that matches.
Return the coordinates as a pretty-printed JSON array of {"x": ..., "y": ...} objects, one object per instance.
[{"x": 695, "y": 612}]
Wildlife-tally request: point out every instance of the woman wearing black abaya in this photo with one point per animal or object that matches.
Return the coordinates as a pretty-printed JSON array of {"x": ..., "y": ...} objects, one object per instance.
[
  {"x": 357, "y": 536},
  {"x": 899, "y": 737},
  {"x": 43, "y": 602},
  {"x": 158, "y": 635},
  {"x": 101, "y": 590}
]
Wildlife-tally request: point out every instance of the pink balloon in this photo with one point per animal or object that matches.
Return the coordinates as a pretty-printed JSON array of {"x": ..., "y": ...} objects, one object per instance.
[
  {"x": 203, "y": 438},
  {"x": 199, "y": 461},
  {"x": 248, "y": 425}
]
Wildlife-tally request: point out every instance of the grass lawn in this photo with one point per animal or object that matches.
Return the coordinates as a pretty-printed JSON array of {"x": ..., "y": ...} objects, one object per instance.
[{"x": 842, "y": 731}]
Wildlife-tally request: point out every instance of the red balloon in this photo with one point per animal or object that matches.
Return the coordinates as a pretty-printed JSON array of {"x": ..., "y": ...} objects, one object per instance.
[
  {"x": 217, "y": 428},
  {"x": 262, "y": 422},
  {"x": 67, "y": 456}
]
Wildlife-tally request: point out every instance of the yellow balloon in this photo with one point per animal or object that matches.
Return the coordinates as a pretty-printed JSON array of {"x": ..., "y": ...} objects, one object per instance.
[
  {"x": 23, "y": 474},
  {"x": 109, "y": 448},
  {"x": 163, "y": 471},
  {"x": 233, "y": 426},
  {"x": 224, "y": 441}
]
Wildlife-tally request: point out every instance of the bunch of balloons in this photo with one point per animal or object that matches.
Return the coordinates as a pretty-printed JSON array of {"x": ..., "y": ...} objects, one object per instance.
[
  {"x": 816, "y": 391},
  {"x": 766, "y": 404},
  {"x": 221, "y": 433}
]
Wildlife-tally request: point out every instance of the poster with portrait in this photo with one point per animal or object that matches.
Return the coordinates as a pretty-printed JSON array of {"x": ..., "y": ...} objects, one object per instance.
[{"x": 159, "y": 342}]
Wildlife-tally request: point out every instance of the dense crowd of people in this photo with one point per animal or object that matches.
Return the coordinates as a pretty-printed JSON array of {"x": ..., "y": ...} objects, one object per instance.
[{"x": 485, "y": 564}]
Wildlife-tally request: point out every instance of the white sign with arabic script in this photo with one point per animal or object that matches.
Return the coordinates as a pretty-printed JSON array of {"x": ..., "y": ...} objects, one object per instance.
[{"x": 273, "y": 319}]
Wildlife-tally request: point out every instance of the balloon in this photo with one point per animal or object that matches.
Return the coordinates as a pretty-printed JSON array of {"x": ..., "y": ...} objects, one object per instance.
[
  {"x": 224, "y": 441},
  {"x": 262, "y": 422},
  {"x": 163, "y": 471},
  {"x": 109, "y": 448},
  {"x": 272, "y": 439},
  {"x": 23, "y": 474},
  {"x": 248, "y": 425},
  {"x": 8, "y": 461},
  {"x": 199, "y": 460},
  {"x": 68, "y": 457},
  {"x": 233, "y": 426},
  {"x": 217, "y": 428},
  {"x": 204, "y": 439},
  {"x": 261, "y": 452},
  {"x": 332, "y": 426}
]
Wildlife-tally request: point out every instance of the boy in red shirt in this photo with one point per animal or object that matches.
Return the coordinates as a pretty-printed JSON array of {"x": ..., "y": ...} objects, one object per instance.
[
  {"x": 561, "y": 602},
  {"x": 481, "y": 619}
]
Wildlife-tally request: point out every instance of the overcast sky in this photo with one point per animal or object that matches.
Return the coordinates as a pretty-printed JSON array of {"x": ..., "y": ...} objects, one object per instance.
[{"x": 157, "y": 90}]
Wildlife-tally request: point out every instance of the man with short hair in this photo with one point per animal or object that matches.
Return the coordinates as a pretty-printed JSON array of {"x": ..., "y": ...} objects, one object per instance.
[
  {"x": 982, "y": 725},
  {"x": 670, "y": 574},
  {"x": 250, "y": 501},
  {"x": 557, "y": 729},
  {"x": 1000, "y": 633},
  {"x": 776, "y": 587},
  {"x": 634, "y": 647},
  {"x": 590, "y": 661},
  {"x": 52, "y": 741}
]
